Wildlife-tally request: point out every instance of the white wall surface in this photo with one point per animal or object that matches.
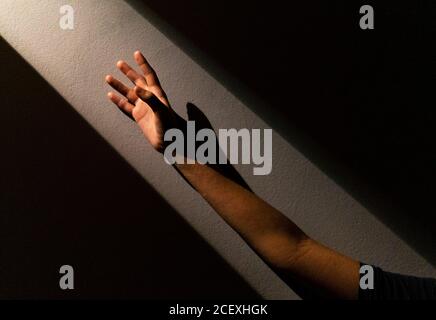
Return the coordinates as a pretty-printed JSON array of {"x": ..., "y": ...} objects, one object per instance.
[{"x": 75, "y": 64}]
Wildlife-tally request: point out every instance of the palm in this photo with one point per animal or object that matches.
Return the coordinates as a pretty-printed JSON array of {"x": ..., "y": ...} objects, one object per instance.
[
  {"x": 146, "y": 103},
  {"x": 151, "y": 125}
]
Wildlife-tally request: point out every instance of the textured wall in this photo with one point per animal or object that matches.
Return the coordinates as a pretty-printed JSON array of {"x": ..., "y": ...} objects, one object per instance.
[{"x": 75, "y": 63}]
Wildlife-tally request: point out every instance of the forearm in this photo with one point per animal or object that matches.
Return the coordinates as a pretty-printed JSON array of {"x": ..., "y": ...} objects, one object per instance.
[
  {"x": 279, "y": 242},
  {"x": 273, "y": 236}
]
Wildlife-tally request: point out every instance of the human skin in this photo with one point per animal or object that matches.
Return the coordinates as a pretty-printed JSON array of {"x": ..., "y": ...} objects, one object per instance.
[{"x": 292, "y": 254}]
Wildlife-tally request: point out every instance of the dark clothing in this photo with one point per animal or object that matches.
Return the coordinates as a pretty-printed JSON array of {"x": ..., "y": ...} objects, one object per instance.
[{"x": 392, "y": 286}]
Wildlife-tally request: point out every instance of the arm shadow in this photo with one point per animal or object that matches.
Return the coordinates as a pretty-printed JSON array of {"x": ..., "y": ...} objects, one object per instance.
[{"x": 202, "y": 122}]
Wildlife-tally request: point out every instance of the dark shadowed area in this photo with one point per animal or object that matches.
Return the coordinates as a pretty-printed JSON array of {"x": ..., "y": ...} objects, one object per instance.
[
  {"x": 359, "y": 104},
  {"x": 66, "y": 197}
]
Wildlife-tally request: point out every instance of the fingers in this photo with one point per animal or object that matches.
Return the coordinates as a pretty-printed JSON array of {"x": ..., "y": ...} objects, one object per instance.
[
  {"x": 135, "y": 77},
  {"x": 149, "y": 74},
  {"x": 153, "y": 83},
  {"x": 148, "y": 97},
  {"x": 122, "y": 103},
  {"x": 147, "y": 87},
  {"x": 121, "y": 88}
]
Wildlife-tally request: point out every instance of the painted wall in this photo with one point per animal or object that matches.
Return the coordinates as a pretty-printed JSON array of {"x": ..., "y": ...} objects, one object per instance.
[{"x": 75, "y": 63}]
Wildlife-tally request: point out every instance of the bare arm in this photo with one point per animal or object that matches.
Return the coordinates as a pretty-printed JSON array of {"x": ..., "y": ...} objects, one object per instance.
[
  {"x": 277, "y": 240},
  {"x": 284, "y": 246}
]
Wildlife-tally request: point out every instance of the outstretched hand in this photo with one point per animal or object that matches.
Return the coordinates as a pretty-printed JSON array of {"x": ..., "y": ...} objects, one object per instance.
[{"x": 146, "y": 102}]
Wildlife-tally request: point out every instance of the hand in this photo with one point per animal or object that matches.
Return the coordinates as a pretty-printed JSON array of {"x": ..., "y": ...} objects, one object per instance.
[{"x": 146, "y": 102}]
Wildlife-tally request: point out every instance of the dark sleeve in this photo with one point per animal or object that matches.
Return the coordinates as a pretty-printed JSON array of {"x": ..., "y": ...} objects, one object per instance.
[{"x": 392, "y": 286}]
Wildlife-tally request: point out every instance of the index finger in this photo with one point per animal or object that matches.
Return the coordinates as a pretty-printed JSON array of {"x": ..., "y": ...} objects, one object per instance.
[
  {"x": 135, "y": 77},
  {"x": 149, "y": 74}
]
